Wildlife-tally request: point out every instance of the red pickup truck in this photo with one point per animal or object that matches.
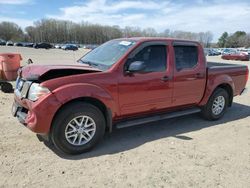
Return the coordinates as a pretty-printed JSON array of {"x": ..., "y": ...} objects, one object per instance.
[{"x": 124, "y": 82}]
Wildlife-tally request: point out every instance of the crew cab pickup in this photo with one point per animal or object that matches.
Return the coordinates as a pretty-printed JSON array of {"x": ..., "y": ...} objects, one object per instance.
[{"x": 124, "y": 82}]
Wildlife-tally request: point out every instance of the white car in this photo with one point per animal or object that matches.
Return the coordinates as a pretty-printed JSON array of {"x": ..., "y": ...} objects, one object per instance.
[
  {"x": 58, "y": 46},
  {"x": 9, "y": 43}
]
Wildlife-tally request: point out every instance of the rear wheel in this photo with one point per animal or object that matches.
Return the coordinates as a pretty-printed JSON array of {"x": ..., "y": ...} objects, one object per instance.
[
  {"x": 216, "y": 105},
  {"x": 78, "y": 128}
]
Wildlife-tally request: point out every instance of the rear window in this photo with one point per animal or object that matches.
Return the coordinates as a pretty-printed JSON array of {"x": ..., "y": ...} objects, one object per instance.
[{"x": 186, "y": 57}]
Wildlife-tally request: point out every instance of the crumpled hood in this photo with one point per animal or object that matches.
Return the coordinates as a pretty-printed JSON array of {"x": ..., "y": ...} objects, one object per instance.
[{"x": 46, "y": 72}]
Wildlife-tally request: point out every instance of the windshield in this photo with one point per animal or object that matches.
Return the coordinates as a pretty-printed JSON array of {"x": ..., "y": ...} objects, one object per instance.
[{"x": 104, "y": 56}]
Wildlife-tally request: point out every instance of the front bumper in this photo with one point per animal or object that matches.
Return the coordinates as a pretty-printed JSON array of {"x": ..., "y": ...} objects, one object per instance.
[
  {"x": 37, "y": 116},
  {"x": 17, "y": 111}
]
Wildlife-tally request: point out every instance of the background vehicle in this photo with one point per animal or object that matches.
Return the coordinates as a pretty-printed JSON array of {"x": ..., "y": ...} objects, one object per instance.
[
  {"x": 122, "y": 83},
  {"x": 18, "y": 44},
  {"x": 9, "y": 43},
  {"x": 216, "y": 51},
  {"x": 2, "y": 42},
  {"x": 212, "y": 52},
  {"x": 58, "y": 46},
  {"x": 28, "y": 44},
  {"x": 227, "y": 51},
  {"x": 245, "y": 51},
  {"x": 236, "y": 56},
  {"x": 69, "y": 47},
  {"x": 43, "y": 45},
  {"x": 90, "y": 46}
]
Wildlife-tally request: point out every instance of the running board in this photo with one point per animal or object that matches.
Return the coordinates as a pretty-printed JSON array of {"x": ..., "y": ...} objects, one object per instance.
[{"x": 158, "y": 117}]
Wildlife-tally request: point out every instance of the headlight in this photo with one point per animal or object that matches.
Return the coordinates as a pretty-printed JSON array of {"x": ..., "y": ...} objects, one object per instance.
[{"x": 37, "y": 91}]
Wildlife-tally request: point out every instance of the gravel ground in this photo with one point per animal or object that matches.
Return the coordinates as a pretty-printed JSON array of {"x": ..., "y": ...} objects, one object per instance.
[{"x": 181, "y": 152}]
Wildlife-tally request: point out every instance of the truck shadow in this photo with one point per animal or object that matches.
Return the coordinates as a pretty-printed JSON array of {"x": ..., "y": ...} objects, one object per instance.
[{"x": 129, "y": 138}]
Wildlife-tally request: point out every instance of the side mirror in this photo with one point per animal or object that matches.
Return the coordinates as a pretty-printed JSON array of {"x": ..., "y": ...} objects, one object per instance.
[{"x": 136, "y": 66}]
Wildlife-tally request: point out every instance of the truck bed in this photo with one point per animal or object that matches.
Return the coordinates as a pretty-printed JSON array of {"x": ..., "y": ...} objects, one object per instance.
[
  {"x": 236, "y": 74},
  {"x": 216, "y": 65}
]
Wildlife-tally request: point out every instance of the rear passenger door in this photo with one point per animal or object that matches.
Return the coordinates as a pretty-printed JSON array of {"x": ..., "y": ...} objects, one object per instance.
[{"x": 189, "y": 74}]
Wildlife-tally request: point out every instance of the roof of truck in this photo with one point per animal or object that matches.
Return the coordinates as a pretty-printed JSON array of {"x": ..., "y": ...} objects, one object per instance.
[{"x": 145, "y": 39}]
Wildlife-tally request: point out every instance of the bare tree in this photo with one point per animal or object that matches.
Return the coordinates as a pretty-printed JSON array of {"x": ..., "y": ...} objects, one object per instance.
[{"x": 10, "y": 31}]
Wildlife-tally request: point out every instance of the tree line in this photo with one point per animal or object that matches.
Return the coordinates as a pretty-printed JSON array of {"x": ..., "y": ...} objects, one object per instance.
[
  {"x": 235, "y": 40},
  {"x": 61, "y": 31}
]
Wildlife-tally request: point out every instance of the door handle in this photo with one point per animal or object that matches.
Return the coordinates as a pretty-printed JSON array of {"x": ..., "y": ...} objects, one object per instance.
[
  {"x": 165, "y": 78},
  {"x": 199, "y": 75}
]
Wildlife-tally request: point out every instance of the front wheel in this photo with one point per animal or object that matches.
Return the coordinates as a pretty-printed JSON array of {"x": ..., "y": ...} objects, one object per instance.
[
  {"x": 77, "y": 128},
  {"x": 216, "y": 105}
]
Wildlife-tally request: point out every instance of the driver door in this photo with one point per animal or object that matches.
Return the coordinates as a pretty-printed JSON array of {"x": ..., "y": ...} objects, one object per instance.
[{"x": 150, "y": 90}]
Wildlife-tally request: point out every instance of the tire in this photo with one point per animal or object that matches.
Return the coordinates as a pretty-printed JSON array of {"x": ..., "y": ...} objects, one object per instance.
[
  {"x": 45, "y": 139},
  {"x": 66, "y": 122},
  {"x": 209, "y": 111},
  {"x": 6, "y": 87}
]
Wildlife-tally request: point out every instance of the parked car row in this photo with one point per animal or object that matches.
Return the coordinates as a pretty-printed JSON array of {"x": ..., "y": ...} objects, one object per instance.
[
  {"x": 236, "y": 54},
  {"x": 241, "y": 54},
  {"x": 75, "y": 46},
  {"x": 4, "y": 43},
  {"x": 45, "y": 45}
]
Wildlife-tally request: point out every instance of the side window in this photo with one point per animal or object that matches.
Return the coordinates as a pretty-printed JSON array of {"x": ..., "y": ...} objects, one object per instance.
[
  {"x": 186, "y": 57},
  {"x": 155, "y": 58}
]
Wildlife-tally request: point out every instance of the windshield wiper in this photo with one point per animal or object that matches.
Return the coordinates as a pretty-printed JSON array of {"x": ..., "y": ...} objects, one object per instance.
[
  {"x": 88, "y": 63},
  {"x": 95, "y": 65}
]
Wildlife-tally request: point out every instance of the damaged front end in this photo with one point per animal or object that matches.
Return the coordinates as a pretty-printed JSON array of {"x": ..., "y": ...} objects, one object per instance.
[
  {"x": 32, "y": 96},
  {"x": 41, "y": 73},
  {"x": 30, "y": 77}
]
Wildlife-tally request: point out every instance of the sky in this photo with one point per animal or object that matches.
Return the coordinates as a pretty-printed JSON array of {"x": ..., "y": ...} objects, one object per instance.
[{"x": 216, "y": 16}]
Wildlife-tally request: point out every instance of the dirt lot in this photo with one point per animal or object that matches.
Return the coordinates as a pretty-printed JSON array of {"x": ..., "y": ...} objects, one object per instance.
[{"x": 181, "y": 152}]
